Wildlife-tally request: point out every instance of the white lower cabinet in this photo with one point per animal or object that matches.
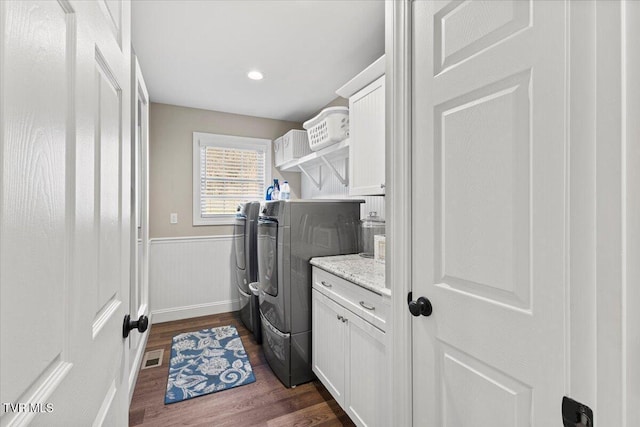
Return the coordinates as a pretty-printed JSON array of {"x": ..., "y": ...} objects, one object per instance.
[
  {"x": 366, "y": 399},
  {"x": 329, "y": 335},
  {"x": 350, "y": 353}
]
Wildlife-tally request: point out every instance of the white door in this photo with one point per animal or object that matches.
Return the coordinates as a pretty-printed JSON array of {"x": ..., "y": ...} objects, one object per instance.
[
  {"x": 139, "y": 292},
  {"x": 65, "y": 212},
  {"x": 489, "y": 197}
]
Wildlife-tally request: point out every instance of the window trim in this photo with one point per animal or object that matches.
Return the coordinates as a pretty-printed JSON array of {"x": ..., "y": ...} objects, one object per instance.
[{"x": 226, "y": 141}]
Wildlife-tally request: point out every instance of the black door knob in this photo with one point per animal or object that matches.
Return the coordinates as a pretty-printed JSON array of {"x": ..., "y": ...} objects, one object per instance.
[
  {"x": 141, "y": 325},
  {"x": 421, "y": 307}
]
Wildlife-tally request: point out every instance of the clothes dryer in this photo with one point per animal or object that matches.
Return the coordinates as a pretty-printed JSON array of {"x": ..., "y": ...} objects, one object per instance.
[{"x": 290, "y": 233}]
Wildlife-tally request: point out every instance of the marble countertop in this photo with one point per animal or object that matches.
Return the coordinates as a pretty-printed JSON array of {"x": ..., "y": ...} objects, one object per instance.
[{"x": 364, "y": 272}]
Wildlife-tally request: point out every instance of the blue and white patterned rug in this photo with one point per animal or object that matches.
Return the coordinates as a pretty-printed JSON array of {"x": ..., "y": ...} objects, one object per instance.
[{"x": 207, "y": 361}]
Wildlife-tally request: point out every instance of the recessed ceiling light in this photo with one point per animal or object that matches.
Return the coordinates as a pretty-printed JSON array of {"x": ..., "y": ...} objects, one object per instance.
[{"x": 255, "y": 75}]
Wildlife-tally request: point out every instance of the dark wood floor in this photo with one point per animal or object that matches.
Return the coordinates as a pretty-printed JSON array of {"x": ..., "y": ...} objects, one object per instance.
[{"x": 263, "y": 403}]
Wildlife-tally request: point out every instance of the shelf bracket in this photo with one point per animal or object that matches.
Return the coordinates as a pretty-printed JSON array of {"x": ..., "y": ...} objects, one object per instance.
[
  {"x": 344, "y": 180},
  {"x": 318, "y": 182}
]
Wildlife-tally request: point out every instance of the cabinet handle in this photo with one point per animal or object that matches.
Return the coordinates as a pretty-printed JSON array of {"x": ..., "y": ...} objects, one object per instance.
[
  {"x": 344, "y": 320},
  {"x": 367, "y": 306},
  {"x": 325, "y": 284},
  {"x": 382, "y": 185},
  {"x": 338, "y": 317}
]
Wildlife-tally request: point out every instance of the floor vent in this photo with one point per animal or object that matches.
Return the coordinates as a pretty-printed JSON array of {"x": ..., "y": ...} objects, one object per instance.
[{"x": 152, "y": 359}]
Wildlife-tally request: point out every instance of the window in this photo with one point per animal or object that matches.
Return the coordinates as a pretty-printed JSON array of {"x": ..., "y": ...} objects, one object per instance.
[{"x": 227, "y": 170}]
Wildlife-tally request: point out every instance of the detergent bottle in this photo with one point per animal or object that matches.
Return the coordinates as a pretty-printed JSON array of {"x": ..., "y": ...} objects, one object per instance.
[
  {"x": 273, "y": 191},
  {"x": 285, "y": 192}
]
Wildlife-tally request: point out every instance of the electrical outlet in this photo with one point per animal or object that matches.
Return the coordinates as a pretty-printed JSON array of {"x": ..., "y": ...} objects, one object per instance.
[{"x": 173, "y": 219}]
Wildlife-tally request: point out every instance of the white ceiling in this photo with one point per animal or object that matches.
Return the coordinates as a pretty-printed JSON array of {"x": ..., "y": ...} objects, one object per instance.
[{"x": 197, "y": 53}]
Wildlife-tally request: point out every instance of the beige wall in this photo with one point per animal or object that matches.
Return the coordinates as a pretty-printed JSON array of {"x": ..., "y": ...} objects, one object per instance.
[
  {"x": 170, "y": 162},
  {"x": 338, "y": 102}
]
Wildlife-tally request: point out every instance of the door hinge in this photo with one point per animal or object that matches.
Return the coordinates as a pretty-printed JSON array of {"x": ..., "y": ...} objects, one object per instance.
[{"x": 576, "y": 414}]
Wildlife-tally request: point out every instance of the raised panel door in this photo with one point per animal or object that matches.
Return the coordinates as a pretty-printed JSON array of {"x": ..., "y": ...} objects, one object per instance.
[
  {"x": 65, "y": 211},
  {"x": 489, "y": 207}
]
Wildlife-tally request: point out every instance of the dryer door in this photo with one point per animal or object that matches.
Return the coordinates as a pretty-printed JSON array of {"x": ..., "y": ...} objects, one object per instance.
[
  {"x": 270, "y": 262},
  {"x": 240, "y": 249},
  {"x": 239, "y": 241}
]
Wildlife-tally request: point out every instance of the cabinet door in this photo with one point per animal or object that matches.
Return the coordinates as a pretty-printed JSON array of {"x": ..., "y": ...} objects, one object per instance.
[
  {"x": 367, "y": 400},
  {"x": 366, "y": 141},
  {"x": 328, "y": 343}
]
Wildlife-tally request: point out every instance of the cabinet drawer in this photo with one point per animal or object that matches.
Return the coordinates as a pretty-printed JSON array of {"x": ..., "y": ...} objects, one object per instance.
[{"x": 370, "y": 306}]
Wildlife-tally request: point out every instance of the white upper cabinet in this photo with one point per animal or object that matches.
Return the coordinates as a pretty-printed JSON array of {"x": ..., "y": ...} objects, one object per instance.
[{"x": 366, "y": 93}]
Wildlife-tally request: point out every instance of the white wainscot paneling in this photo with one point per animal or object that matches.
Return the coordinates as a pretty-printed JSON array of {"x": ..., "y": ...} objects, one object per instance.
[
  {"x": 190, "y": 277},
  {"x": 332, "y": 188}
]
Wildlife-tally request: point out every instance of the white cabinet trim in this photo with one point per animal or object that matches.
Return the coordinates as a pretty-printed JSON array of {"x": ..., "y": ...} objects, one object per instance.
[
  {"x": 398, "y": 16},
  {"x": 368, "y": 75}
]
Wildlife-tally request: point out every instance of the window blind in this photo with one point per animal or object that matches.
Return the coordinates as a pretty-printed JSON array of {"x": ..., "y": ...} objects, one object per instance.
[{"x": 229, "y": 176}]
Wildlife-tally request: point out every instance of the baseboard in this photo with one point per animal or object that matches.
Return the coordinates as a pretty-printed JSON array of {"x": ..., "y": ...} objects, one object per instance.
[
  {"x": 180, "y": 313},
  {"x": 133, "y": 375}
]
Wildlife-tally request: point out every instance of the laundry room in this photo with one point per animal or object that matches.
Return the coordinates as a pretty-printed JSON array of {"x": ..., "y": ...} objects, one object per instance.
[
  {"x": 319, "y": 212},
  {"x": 251, "y": 172}
]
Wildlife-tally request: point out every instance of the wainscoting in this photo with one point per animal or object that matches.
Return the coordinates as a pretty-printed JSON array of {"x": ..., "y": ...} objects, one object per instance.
[{"x": 190, "y": 277}]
